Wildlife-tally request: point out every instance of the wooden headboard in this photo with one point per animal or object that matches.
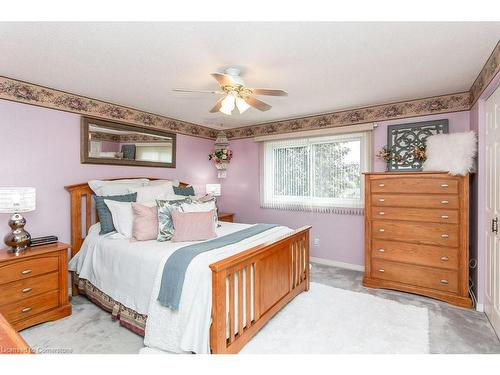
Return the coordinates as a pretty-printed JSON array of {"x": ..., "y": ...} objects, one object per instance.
[{"x": 81, "y": 201}]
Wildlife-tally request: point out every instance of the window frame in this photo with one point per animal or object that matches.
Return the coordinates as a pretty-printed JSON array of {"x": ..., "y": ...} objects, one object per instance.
[{"x": 311, "y": 203}]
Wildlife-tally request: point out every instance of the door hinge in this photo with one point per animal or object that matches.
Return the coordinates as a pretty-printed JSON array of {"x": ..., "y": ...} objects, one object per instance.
[{"x": 494, "y": 225}]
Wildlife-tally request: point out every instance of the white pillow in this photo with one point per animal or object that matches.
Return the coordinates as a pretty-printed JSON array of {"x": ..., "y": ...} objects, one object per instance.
[
  {"x": 123, "y": 216},
  {"x": 175, "y": 183},
  {"x": 152, "y": 192},
  {"x": 453, "y": 153},
  {"x": 116, "y": 187}
]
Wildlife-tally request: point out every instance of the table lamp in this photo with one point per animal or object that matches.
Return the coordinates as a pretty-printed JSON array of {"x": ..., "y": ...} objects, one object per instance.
[{"x": 14, "y": 200}]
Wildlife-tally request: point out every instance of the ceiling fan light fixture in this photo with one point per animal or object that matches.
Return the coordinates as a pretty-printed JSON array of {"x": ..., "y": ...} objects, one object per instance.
[
  {"x": 228, "y": 104},
  {"x": 242, "y": 104}
]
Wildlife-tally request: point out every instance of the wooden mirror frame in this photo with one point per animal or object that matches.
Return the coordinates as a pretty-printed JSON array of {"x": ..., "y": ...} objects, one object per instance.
[{"x": 84, "y": 143}]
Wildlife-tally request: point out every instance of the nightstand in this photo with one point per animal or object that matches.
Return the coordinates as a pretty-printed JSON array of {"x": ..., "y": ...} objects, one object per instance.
[
  {"x": 34, "y": 285},
  {"x": 224, "y": 216}
]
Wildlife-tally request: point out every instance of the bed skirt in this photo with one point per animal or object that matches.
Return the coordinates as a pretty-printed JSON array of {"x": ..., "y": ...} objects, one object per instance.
[{"x": 127, "y": 317}]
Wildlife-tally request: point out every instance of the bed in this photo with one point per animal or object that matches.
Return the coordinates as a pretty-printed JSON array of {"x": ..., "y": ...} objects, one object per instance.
[{"x": 238, "y": 305}]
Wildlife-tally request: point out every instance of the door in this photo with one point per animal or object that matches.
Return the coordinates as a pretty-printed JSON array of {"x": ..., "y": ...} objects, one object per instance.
[{"x": 492, "y": 303}]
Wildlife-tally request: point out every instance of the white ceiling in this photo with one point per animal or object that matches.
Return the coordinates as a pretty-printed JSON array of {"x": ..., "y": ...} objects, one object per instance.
[{"x": 324, "y": 66}]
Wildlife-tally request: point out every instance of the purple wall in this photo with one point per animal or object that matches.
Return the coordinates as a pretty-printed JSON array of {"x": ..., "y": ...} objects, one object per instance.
[
  {"x": 341, "y": 236},
  {"x": 41, "y": 147}
]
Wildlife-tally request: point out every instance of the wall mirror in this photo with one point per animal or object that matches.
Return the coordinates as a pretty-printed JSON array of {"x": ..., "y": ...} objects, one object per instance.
[{"x": 114, "y": 143}]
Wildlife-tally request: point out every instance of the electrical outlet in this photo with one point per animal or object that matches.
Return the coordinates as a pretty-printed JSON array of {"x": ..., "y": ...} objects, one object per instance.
[{"x": 316, "y": 242}]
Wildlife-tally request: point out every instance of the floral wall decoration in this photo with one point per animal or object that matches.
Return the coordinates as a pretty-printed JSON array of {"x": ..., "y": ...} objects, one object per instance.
[
  {"x": 28, "y": 93},
  {"x": 222, "y": 155}
]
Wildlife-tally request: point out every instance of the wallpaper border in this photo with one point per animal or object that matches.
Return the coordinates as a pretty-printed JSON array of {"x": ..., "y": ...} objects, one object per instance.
[
  {"x": 29, "y": 93},
  {"x": 486, "y": 75},
  {"x": 411, "y": 108}
]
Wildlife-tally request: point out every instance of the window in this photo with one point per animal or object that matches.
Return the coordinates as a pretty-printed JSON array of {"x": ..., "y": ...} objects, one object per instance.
[
  {"x": 161, "y": 152},
  {"x": 316, "y": 173}
]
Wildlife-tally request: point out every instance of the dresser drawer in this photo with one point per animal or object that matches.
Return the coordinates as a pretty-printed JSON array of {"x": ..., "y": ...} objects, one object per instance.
[
  {"x": 28, "y": 268},
  {"x": 22, "y": 289},
  {"x": 417, "y": 201},
  {"x": 422, "y": 233},
  {"x": 415, "y": 185},
  {"x": 433, "y": 278},
  {"x": 30, "y": 306},
  {"x": 424, "y": 255},
  {"x": 416, "y": 214}
]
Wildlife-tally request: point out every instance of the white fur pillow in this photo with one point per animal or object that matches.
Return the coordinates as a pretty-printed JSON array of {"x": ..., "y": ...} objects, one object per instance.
[{"x": 453, "y": 153}]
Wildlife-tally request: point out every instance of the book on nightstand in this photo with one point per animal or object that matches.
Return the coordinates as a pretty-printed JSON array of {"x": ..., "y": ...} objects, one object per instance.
[{"x": 47, "y": 240}]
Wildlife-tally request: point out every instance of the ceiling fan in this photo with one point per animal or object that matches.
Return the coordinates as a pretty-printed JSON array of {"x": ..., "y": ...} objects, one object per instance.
[{"x": 236, "y": 94}]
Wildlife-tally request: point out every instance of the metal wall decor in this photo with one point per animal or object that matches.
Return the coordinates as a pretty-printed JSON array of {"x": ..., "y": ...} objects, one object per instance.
[{"x": 402, "y": 140}]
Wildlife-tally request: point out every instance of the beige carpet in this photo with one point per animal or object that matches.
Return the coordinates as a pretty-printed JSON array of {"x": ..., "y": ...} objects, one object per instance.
[{"x": 324, "y": 320}]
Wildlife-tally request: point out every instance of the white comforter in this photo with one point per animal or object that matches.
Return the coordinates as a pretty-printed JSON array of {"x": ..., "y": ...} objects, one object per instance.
[{"x": 130, "y": 273}]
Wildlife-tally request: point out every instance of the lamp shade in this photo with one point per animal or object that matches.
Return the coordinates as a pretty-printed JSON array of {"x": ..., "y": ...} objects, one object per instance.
[
  {"x": 17, "y": 199},
  {"x": 213, "y": 189}
]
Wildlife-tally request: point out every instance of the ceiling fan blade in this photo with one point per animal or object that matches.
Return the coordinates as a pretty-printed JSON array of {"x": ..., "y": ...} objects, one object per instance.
[
  {"x": 217, "y": 105},
  {"x": 202, "y": 91},
  {"x": 223, "y": 79},
  {"x": 256, "y": 103},
  {"x": 269, "y": 92}
]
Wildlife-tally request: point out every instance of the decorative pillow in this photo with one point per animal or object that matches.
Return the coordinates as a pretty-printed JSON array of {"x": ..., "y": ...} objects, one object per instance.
[
  {"x": 203, "y": 204},
  {"x": 104, "y": 213},
  {"x": 122, "y": 215},
  {"x": 145, "y": 222},
  {"x": 187, "y": 191},
  {"x": 116, "y": 187},
  {"x": 165, "y": 224},
  {"x": 198, "y": 207},
  {"x": 151, "y": 193},
  {"x": 453, "y": 153},
  {"x": 193, "y": 226}
]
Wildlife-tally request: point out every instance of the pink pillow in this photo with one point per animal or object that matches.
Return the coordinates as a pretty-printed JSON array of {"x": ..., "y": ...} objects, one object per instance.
[
  {"x": 145, "y": 224},
  {"x": 193, "y": 226}
]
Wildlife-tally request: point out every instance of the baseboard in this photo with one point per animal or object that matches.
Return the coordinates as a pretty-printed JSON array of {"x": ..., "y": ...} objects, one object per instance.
[
  {"x": 478, "y": 306},
  {"x": 335, "y": 263}
]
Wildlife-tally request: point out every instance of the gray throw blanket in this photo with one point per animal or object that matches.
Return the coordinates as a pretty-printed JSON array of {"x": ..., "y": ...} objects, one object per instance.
[{"x": 175, "y": 268}]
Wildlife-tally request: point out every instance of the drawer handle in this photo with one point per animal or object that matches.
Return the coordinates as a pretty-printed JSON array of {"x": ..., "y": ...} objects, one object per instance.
[
  {"x": 444, "y": 259},
  {"x": 444, "y": 216},
  {"x": 381, "y": 270},
  {"x": 381, "y": 213},
  {"x": 381, "y": 200},
  {"x": 26, "y": 272},
  {"x": 381, "y": 250},
  {"x": 26, "y": 290},
  {"x": 381, "y": 230},
  {"x": 444, "y": 202},
  {"x": 26, "y": 309},
  {"x": 444, "y": 185},
  {"x": 444, "y": 282},
  {"x": 444, "y": 235},
  {"x": 381, "y": 185}
]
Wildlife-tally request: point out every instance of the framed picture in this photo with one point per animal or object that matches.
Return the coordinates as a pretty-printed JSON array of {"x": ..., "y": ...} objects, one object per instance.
[{"x": 402, "y": 140}]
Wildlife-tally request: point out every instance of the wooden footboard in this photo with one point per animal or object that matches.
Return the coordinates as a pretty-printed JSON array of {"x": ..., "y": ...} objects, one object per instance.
[{"x": 249, "y": 288}]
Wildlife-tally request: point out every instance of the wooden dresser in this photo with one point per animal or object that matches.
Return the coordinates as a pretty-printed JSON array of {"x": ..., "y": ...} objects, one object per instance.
[
  {"x": 34, "y": 285},
  {"x": 417, "y": 234}
]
